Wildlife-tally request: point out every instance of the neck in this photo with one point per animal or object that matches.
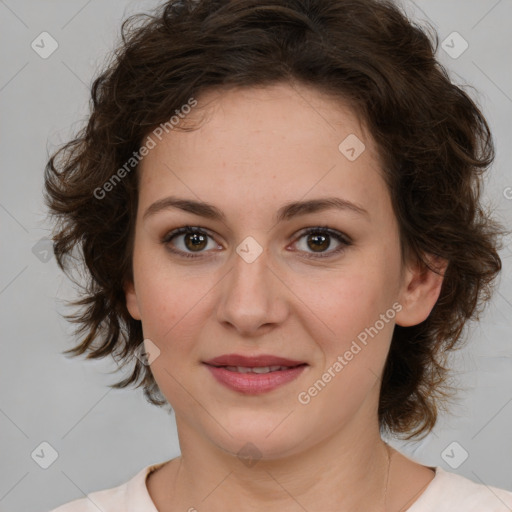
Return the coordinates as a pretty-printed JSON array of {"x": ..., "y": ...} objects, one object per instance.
[{"x": 346, "y": 472}]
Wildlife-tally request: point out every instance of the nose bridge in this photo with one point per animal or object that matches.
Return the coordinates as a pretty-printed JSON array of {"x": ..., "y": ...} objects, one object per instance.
[{"x": 250, "y": 293}]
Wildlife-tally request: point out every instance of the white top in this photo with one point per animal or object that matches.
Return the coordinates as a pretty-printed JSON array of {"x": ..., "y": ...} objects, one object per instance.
[{"x": 447, "y": 492}]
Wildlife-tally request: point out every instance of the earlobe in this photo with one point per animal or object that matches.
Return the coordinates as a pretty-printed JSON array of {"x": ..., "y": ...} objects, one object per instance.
[
  {"x": 420, "y": 291},
  {"x": 131, "y": 300}
]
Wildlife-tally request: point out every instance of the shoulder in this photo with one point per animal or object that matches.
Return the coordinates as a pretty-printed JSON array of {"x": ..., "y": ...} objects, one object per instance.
[
  {"x": 106, "y": 500},
  {"x": 449, "y": 492},
  {"x": 129, "y": 496}
]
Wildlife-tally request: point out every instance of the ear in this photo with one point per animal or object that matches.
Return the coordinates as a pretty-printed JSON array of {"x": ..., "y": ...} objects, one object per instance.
[
  {"x": 131, "y": 300},
  {"x": 420, "y": 290}
]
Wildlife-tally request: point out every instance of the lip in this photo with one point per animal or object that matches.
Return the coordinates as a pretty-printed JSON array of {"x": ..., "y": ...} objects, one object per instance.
[
  {"x": 254, "y": 383},
  {"x": 252, "y": 361}
]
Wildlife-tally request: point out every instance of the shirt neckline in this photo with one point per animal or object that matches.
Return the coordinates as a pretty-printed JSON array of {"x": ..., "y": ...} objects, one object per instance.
[
  {"x": 417, "y": 504},
  {"x": 139, "y": 499}
]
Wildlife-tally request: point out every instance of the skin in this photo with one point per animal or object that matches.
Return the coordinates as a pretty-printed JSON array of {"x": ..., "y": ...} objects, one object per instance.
[{"x": 256, "y": 150}]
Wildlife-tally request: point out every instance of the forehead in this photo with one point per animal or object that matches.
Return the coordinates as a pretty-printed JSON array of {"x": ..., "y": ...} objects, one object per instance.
[{"x": 251, "y": 146}]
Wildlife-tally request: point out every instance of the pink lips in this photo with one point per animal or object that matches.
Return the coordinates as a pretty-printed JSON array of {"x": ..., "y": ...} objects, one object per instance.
[{"x": 254, "y": 383}]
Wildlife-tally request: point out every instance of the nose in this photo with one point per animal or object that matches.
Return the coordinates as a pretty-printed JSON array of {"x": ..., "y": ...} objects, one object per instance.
[{"x": 253, "y": 297}]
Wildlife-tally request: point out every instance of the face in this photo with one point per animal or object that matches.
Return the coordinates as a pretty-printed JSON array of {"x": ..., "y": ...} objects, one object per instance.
[{"x": 321, "y": 287}]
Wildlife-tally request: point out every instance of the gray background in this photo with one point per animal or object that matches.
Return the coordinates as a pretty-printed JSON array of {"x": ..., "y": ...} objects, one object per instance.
[{"x": 102, "y": 436}]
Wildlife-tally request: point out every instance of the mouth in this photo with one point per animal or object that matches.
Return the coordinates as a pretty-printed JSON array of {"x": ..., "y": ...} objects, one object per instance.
[
  {"x": 257, "y": 369},
  {"x": 254, "y": 375},
  {"x": 259, "y": 361}
]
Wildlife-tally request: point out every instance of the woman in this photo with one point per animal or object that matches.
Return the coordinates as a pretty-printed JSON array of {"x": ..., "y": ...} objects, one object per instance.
[{"x": 278, "y": 207}]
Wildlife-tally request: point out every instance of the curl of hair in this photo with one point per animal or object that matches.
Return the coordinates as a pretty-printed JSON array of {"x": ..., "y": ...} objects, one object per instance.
[{"x": 433, "y": 141}]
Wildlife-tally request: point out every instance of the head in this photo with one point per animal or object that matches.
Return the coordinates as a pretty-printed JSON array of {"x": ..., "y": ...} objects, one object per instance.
[{"x": 249, "y": 107}]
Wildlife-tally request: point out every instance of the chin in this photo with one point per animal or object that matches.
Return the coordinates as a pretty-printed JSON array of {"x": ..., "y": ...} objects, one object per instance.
[{"x": 254, "y": 438}]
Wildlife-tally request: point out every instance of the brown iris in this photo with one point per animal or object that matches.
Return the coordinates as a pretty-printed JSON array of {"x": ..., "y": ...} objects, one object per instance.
[
  {"x": 319, "y": 238},
  {"x": 196, "y": 240}
]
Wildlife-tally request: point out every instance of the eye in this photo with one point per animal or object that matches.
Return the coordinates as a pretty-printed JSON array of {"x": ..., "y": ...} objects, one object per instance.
[
  {"x": 319, "y": 240},
  {"x": 193, "y": 239}
]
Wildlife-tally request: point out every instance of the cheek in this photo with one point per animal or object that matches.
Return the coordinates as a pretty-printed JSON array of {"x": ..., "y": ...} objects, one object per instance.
[
  {"x": 354, "y": 342},
  {"x": 346, "y": 301},
  {"x": 173, "y": 301},
  {"x": 349, "y": 329},
  {"x": 168, "y": 308}
]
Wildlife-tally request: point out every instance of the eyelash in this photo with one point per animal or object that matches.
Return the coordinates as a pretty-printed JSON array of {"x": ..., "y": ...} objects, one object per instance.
[{"x": 324, "y": 230}]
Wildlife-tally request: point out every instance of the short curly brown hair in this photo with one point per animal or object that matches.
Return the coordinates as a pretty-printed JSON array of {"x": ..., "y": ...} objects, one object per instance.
[{"x": 433, "y": 141}]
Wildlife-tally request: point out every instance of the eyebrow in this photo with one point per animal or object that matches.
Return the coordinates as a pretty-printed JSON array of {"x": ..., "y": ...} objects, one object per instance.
[{"x": 286, "y": 212}]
